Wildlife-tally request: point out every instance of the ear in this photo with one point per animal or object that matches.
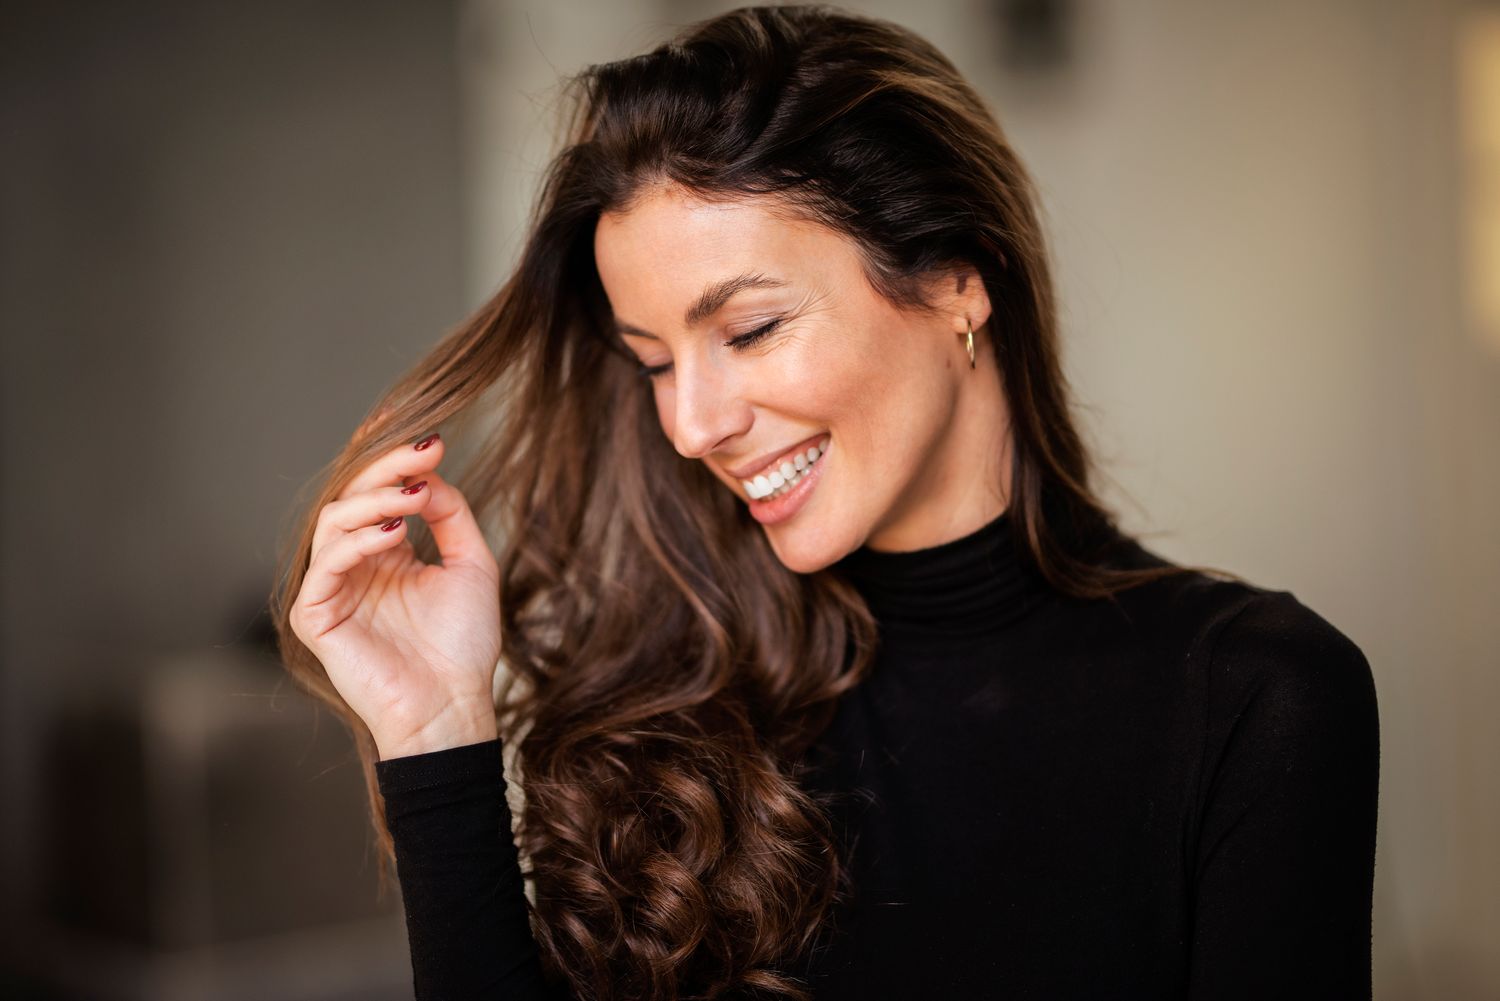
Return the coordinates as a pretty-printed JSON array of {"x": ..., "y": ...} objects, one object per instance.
[
  {"x": 968, "y": 299},
  {"x": 961, "y": 298}
]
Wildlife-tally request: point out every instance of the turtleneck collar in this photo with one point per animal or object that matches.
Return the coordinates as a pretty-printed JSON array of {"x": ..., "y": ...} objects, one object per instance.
[{"x": 960, "y": 589}]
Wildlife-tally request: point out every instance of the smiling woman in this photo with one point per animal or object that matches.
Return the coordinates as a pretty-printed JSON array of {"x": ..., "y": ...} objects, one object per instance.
[
  {"x": 829, "y": 673},
  {"x": 765, "y": 366}
]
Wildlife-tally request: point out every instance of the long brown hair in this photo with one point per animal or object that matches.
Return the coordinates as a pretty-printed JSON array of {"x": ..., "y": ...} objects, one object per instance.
[{"x": 666, "y": 672}]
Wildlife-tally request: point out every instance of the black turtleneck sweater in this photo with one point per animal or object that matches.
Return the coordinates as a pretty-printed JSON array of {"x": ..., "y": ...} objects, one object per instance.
[{"x": 1170, "y": 794}]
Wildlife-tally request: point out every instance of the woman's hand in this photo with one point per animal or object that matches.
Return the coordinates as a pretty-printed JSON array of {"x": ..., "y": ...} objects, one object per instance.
[{"x": 410, "y": 646}]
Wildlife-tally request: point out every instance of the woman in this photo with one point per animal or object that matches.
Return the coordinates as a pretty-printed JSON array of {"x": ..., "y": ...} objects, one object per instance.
[{"x": 828, "y": 673}]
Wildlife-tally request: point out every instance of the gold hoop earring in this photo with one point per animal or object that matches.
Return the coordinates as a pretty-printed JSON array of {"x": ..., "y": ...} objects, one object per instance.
[{"x": 969, "y": 340}]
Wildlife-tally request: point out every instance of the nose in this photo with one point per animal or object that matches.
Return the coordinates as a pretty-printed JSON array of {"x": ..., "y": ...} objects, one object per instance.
[{"x": 709, "y": 407}]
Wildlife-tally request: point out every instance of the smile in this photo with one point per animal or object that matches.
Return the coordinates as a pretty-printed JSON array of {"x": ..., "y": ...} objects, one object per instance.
[{"x": 780, "y": 478}]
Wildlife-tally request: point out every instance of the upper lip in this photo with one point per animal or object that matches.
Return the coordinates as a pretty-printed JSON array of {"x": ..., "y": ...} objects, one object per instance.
[{"x": 749, "y": 469}]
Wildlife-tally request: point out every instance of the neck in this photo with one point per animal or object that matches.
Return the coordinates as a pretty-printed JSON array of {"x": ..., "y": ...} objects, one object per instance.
[{"x": 965, "y": 482}]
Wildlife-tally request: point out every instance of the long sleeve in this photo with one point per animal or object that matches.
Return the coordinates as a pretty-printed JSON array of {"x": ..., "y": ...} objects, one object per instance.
[
  {"x": 460, "y": 876},
  {"x": 1285, "y": 855}
]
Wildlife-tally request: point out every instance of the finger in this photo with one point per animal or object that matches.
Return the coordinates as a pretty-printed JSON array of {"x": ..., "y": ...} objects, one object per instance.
[
  {"x": 393, "y": 466},
  {"x": 327, "y": 574},
  {"x": 454, "y": 528},
  {"x": 371, "y": 507}
]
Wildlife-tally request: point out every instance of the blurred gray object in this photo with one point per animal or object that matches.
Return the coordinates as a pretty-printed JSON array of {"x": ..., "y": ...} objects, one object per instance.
[
  {"x": 1036, "y": 35},
  {"x": 210, "y": 840}
]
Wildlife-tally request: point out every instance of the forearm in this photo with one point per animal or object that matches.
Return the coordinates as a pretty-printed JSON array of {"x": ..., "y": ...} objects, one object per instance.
[{"x": 461, "y": 883}]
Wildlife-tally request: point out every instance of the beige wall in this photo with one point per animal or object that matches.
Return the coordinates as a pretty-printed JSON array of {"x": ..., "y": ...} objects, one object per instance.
[{"x": 1255, "y": 221}]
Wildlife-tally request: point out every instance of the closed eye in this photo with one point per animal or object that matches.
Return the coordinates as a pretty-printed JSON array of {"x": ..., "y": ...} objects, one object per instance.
[
  {"x": 750, "y": 337},
  {"x": 739, "y": 343}
]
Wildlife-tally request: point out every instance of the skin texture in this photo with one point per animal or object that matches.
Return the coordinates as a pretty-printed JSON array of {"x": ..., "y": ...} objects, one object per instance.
[{"x": 921, "y": 443}]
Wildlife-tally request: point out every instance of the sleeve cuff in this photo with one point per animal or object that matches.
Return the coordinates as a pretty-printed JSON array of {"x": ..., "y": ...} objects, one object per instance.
[{"x": 449, "y": 766}]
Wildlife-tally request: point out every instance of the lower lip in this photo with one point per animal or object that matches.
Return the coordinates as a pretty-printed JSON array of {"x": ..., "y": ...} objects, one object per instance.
[{"x": 778, "y": 509}]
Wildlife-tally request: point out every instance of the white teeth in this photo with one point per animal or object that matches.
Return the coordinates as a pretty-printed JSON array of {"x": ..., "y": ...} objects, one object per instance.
[{"x": 783, "y": 477}]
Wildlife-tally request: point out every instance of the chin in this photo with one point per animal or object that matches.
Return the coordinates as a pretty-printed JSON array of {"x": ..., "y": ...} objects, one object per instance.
[{"x": 801, "y": 552}]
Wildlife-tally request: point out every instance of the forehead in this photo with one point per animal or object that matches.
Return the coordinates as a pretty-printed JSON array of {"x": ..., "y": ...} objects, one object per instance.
[{"x": 670, "y": 240}]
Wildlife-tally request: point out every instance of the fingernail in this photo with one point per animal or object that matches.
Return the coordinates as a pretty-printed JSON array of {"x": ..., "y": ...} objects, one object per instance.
[
  {"x": 391, "y": 525},
  {"x": 426, "y": 441},
  {"x": 414, "y": 487}
]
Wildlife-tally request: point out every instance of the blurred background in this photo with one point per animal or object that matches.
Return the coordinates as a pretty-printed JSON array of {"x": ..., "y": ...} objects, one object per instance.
[{"x": 224, "y": 228}]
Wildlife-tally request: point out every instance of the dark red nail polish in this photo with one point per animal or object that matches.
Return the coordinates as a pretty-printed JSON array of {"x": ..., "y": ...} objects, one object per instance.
[
  {"x": 426, "y": 441},
  {"x": 414, "y": 487},
  {"x": 391, "y": 525}
]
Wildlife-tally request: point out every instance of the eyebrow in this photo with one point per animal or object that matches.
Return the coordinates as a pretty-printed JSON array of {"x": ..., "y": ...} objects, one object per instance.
[{"x": 710, "y": 301}]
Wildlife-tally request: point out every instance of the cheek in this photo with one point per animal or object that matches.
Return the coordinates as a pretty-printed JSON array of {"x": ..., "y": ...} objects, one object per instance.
[
  {"x": 885, "y": 395},
  {"x": 819, "y": 375},
  {"x": 855, "y": 382}
]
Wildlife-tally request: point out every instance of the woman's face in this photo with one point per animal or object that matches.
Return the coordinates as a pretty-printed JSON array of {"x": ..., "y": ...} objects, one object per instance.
[{"x": 910, "y": 437}]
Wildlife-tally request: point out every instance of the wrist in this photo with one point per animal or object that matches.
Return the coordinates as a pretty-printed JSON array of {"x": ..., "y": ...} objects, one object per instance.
[{"x": 459, "y": 726}]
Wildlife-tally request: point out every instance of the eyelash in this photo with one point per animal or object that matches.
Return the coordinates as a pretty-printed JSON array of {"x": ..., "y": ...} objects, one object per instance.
[{"x": 741, "y": 342}]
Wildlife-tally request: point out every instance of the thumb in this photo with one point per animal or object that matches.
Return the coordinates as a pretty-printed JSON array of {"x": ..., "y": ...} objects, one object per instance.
[{"x": 454, "y": 529}]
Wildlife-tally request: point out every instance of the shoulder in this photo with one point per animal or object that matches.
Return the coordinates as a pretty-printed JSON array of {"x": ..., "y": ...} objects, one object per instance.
[
  {"x": 1246, "y": 647},
  {"x": 1289, "y": 746},
  {"x": 1277, "y": 705},
  {"x": 1274, "y": 641},
  {"x": 1289, "y": 677},
  {"x": 1289, "y": 689}
]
